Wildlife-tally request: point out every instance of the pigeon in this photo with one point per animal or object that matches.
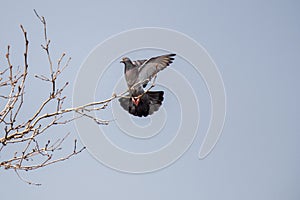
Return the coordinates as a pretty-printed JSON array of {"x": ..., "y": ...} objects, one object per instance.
[{"x": 138, "y": 74}]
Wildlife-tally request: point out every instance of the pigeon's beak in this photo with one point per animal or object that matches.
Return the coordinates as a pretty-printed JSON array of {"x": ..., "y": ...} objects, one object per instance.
[{"x": 123, "y": 60}]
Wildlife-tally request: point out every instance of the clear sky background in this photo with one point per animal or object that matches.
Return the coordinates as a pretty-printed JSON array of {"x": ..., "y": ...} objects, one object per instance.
[{"x": 255, "y": 45}]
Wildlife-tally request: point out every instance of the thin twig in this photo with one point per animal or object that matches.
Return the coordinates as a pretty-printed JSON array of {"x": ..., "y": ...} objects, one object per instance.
[{"x": 26, "y": 181}]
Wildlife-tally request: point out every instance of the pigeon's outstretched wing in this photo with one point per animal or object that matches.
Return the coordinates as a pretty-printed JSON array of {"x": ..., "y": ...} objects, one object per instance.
[{"x": 152, "y": 66}]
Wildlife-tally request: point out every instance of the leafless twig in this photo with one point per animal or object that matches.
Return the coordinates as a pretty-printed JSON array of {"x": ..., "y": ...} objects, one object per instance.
[
  {"x": 32, "y": 152},
  {"x": 25, "y": 135}
]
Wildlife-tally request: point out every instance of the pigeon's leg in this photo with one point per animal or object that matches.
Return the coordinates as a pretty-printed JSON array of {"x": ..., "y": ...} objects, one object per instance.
[
  {"x": 152, "y": 84},
  {"x": 154, "y": 80}
]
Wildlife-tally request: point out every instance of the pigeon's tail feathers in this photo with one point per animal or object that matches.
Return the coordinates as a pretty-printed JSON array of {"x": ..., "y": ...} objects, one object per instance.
[{"x": 148, "y": 104}]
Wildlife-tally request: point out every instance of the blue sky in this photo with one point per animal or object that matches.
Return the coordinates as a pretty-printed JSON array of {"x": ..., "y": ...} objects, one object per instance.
[{"x": 255, "y": 45}]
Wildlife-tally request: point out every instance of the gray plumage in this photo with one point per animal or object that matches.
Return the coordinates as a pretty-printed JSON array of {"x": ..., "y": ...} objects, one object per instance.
[{"x": 138, "y": 74}]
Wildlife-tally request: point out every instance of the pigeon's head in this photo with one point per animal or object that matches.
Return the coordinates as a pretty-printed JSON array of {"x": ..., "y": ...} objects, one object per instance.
[{"x": 125, "y": 60}]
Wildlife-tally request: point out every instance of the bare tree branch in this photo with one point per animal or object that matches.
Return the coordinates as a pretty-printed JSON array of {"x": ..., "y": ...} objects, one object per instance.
[{"x": 25, "y": 136}]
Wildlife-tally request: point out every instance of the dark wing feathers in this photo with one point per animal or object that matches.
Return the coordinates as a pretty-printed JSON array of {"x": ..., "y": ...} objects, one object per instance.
[{"x": 152, "y": 66}]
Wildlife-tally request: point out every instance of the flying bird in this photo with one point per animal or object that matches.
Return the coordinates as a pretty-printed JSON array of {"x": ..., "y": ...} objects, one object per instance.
[{"x": 138, "y": 74}]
